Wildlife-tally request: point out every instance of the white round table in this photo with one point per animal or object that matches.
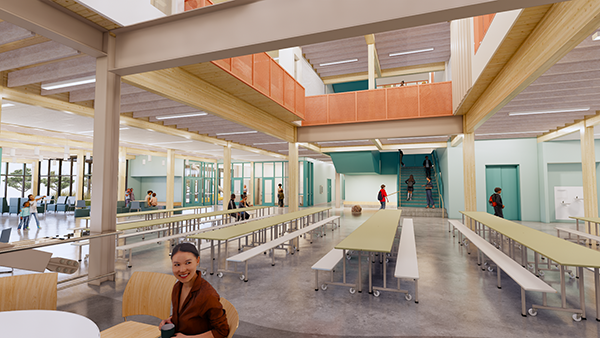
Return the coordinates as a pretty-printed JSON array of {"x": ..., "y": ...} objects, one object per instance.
[{"x": 48, "y": 324}]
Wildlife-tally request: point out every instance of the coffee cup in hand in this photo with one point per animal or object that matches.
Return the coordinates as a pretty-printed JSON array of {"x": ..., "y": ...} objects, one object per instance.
[{"x": 167, "y": 331}]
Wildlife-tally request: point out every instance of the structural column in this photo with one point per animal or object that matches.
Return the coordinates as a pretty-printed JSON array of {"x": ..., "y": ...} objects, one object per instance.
[
  {"x": 371, "y": 65},
  {"x": 293, "y": 177},
  {"x": 122, "y": 173},
  {"x": 35, "y": 177},
  {"x": 106, "y": 162},
  {"x": 469, "y": 172},
  {"x": 80, "y": 175},
  {"x": 226, "y": 175},
  {"x": 588, "y": 168},
  {"x": 251, "y": 185},
  {"x": 338, "y": 190},
  {"x": 170, "y": 178}
]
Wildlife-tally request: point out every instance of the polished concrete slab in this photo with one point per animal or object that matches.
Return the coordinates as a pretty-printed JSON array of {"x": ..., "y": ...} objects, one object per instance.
[{"x": 457, "y": 298}]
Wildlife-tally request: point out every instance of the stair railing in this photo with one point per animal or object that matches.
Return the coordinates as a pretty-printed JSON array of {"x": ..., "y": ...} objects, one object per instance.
[{"x": 438, "y": 181}]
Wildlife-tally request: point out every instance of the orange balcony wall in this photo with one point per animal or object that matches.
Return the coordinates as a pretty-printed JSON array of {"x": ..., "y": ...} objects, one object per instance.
[
  {"x": 193, "y": 4},
  {"x": 481, "y": 24},
  {"x": 409, "y": 102}
]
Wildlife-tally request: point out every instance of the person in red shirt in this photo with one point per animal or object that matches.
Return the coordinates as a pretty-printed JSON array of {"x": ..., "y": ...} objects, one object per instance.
[{"x": 383, "y": 197}]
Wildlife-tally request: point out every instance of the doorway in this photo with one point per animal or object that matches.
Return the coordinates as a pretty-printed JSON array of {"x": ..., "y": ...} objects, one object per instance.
[
  {"x": 328, "y": 190},
  {"x": 507, "y": 178},
  {"x": 268, "y": 192}
]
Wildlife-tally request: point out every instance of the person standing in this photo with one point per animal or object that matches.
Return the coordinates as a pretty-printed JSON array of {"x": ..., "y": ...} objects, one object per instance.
[
  {"x": 33, "y": 208},
  {"x": 149, "y": 197},
  {"x": 428, "y": 186},
  {"x": 496, "y": 202},
  {"x": 24, "y": 217},
  {"x": 410, "y": 182},
  {"x": 427, "y": 165},
  {"x": 382, "y": 197},
  {"x": 280, "y": 195}
]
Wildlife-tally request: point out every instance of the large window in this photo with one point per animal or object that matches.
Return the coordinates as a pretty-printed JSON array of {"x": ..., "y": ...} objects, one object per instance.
[
  {"x": 16, "y": 179},
  {"x": 58, "y": 177}
]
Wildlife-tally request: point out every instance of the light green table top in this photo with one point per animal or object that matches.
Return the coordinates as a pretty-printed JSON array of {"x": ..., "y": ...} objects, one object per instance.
[
  {"x": 150, "y": 212},
  {"x": 377, "y": 234},
  {"x": 173, "y": 219},
  {"x": 559, "y": 250},
  {"x": 587, "y": 219},
  {"x": 246, "y": 228}
]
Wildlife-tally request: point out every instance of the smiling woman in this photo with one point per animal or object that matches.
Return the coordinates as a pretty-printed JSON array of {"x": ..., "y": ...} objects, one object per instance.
[{"x": 197, "y": 311}]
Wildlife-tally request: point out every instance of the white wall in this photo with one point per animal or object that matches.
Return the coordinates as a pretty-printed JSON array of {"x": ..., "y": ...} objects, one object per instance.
[
  {"x": 322, "y": 172},
  {"x": 363, "y": 189},
  {"x": 125, "y": 13},
  {"x": 153, "y": 176}
]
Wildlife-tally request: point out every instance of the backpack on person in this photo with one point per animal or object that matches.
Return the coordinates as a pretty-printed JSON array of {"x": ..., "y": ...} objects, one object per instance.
[
  {"x": 379, "y": 197},
  {"x": 492, "y": 201}
]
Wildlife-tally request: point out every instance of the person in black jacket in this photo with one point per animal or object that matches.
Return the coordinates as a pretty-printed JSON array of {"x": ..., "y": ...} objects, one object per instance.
[
  {"x": 233, "y": 206},
  {"x": 427, "y": 165},
  {"x": 410, "y": 182},
  {"x": 497, "y": 203}
]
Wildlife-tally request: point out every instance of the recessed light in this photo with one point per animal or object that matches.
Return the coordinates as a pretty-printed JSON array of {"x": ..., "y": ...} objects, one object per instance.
[
  {"x": 237, "y": 133},
  {"x": 596, "y": 36},
  {"x": 174, "y": 142},
  {"x": 167, "y": 117},
  {"x": 350, "y": 141},
  {"x": 415, "y": 137},
  {"x": 412, "y": 52},
  {"x": 69, "y": 83},
  {"x": 512, "y": 133},
  {"x": 267, "y": 143},
  {"x": 337, "y": 62},
  {"x": 553, "y": 111},
  {"x": 6, "y": 105}
]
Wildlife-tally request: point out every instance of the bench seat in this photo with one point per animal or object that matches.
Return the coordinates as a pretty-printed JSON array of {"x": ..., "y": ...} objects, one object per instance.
[{"x": 327, "y": 263}]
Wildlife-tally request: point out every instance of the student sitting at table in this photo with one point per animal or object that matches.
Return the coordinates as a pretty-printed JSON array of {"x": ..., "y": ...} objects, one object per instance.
[
  {"x": 197, "y": 310},
  {"x": 153, "y": 201},
  {"x": 244, "y": 204},
  {"x": 231, "y": 205}
]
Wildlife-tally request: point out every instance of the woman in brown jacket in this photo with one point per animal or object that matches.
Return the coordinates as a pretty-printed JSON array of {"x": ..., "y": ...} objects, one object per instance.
[{"x": 197, "y": 311}]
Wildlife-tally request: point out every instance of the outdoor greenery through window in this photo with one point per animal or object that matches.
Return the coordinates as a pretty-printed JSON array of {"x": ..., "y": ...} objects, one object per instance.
[{"x": 16, "y": 179}]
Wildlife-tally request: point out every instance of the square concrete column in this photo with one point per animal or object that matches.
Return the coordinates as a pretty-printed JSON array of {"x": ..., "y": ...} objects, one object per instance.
[
  {"x": 338, "y": 190},
  {"x": 122, "y": 173},
  {"x": 588, "y": 168},
  {"x": 226, "y": 175},
  {"x": 293, "y": 177},
  {"x": 469, "y": 172},
  {"x": 106, "y": 164},
  {"x": 80, "y": 175},
  {"x": 170, "y": 178}
]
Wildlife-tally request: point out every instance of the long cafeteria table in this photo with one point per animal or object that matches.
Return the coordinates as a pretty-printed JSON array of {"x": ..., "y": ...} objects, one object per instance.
[
  {"x": 377, "y": 234},
  {"x": 148, "y": 214},
  {"x": 254, "y": 227},
  {"x": 589, "y": 221},
  {"x": 555, "y": 249}
]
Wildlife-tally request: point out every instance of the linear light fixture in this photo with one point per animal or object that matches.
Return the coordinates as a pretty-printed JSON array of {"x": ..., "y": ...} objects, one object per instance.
[
  {"x": 350, "y": 141},
  {"x": 415, "y": 137},
  {"x": 174, "y": 142},
  {"x": 337, "y": 62},
  {"x": 167, "y": 117},
  {"x": 268, "y": 143},
  {"x": 553, "y": 111},
  {"x": 6, "y": 105},
  {"x": 412, "y": 52},
  {"x": 91, "y": 131},
  {"x": 238, "y": 133},
  {"x": 513, "y": 133},
  {"x": 596, "y": 36},
  {"x": 69, "y": 83}
]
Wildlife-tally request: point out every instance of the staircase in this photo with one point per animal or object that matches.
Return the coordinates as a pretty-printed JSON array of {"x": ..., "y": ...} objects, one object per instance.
[{"x": 416, "y": 207}]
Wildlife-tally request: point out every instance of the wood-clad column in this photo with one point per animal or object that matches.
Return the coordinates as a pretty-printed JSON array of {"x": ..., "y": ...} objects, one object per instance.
[
  {"x": 293, "y": 177},
  {"x": 251, "y": 185},
  {"x": 469, "y": 172},
  {"x": 35, "y": 177},
  {"x": 170, "y": 178},
  {"x": 371, "y": 65},
  {"x": 122, "y": 174},
  {"x": 338, "y": 190},
  {"x": 588, "y": 168},
  {"x": 226, "y": 175},
  {"x": 80, "y": 175},
  {"x": 107, "y": 106}
]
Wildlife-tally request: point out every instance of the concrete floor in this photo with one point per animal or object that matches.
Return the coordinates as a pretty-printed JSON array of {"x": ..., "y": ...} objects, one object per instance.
[{"x": 456, "y": 298}]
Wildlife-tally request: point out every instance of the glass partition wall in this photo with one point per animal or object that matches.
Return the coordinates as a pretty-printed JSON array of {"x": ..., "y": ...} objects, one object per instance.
[
  {"x": 16, "y": 179},
  {"x": 199, "y": 178}
]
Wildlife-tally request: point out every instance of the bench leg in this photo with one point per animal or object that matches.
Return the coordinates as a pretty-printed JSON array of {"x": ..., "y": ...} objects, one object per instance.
[
  {"x": 416, "y": 291},
  {"x": 499, "y": 277},
  {"x": 212, "y": 257},
  {"x": 79, "y": 254},
  {"x": 581, "y": 292},
  {"x": 246, "y": 273},
  {"x": 272, "y": 257},
  {"x": 523, "y": 303},
  {"x": 316, "y": 280},
  {"x": 129, "y": 261}
]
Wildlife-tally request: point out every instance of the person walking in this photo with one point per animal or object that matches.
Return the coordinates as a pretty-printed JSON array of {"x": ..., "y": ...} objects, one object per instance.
[
  {"x": 382, "y": 197},
  {"x": 428, "y": 186},
  {"x": 280, "y": 195},
  {"x": 33, "y": 208},
  {"x": 427, "y": 165},
  {"x": 410, "y": 182},
  {"x": 496, "y": 202}
]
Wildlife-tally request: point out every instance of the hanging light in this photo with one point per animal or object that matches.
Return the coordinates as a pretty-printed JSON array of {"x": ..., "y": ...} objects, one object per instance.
[
  {"x": 13, "y": 152},
  {"x": 41, "y": 158},
  {"x": 149, "y": 158},
  {"x": 36, "y": 150},
  {"x": 88, "y": 154},
  {"x": 143, "y": 161}
]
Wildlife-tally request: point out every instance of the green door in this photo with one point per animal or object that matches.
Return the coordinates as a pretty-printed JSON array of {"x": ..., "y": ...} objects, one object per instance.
[
  {"x": 268, "y": 188},
  {"x": 505, "y": 177},
  {"x": 328, "y": 190}
]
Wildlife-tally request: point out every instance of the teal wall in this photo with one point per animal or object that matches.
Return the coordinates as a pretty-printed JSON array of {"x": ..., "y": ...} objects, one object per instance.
[
  {"x": 356, "y": 162},
  {"x": 351, "y": 86},
  {"x": 389, "y": 163},
  {"x": 451, "y": 167},
  {"x": 415, "y": 160},
  {"x": 153, "y": 176}
]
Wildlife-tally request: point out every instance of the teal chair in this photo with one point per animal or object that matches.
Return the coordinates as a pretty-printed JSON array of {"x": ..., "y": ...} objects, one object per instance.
[
  {"x": 82, "y": 213},
  {"x": 122, "y": 207},
  {"x": 179, "y": 212},
  {"x": 4, "y": 205}
]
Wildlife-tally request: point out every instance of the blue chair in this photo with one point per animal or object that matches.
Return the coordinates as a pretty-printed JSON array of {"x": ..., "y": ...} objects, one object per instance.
[
  {"x": 80, "y": 204},
  {"x": 68, "y": 205},
  {"x": 14, "y": 206},
  {"x": 62, "y": 200},
  {"x": 4, "y": 205},
  {"x": 135, "y": 205}
]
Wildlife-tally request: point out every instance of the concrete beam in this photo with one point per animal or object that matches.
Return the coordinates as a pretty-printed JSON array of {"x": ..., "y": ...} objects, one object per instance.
[
  {"x": 43, "y": 52},
  {"x": 243, "y": 30},
  {"x": 78, "y": 67},
  {"x": 11, "y": 33},
  {"x": 90, "y": 93},
  {"x": 434, "y": 126}
]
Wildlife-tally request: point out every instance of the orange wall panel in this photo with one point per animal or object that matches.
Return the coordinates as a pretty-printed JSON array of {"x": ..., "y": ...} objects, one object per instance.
[
  {"x": 370, "y": 105},
  {"x": 436, "y": 99},
  {"x": 262, "y": 73},
  {"x": 276, "y": 82},
  {"x": 224, "y": 63},
  {"x": 342, "y": 107},
  {"x": 241, "y": 67},
  {"x": 193, "y": 4},
  {"x": 316, "y": 110},
  {"x": 289, "y": 89},
  {"x": 300, "y": 100},
  {"x": 402, "y": 102}
]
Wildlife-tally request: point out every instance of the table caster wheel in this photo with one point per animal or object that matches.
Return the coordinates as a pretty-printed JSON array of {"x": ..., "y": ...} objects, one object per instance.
[
  {"x": 572, "y": 275},
  {"x": 408, "y": 296},
  {"x": 242, "y": 277},
  {"x": 220, "y": 275},
  {"x": 324, "y": 287},
  {"x": 577, "y": 317},
  {"x": 376, "y": 293},
  {"x": 352, "y": 290},
  {"x": 348, "y": 257},
  {"x": 541, "y": 273},
  {"x": 387, "y": 260},
  {"x": 530, "y": 266},
  {"x": 485, "y": 263},
  {"x": 204, "y": 273},
  {"x": 490, "y": 269},
  {"x": 532, "y": 312}
]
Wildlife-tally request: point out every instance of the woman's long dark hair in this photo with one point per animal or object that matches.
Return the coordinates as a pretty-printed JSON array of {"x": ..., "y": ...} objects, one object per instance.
[
  {"x": 185, "y": 247},
  {"x": 411, "y": 178}
]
